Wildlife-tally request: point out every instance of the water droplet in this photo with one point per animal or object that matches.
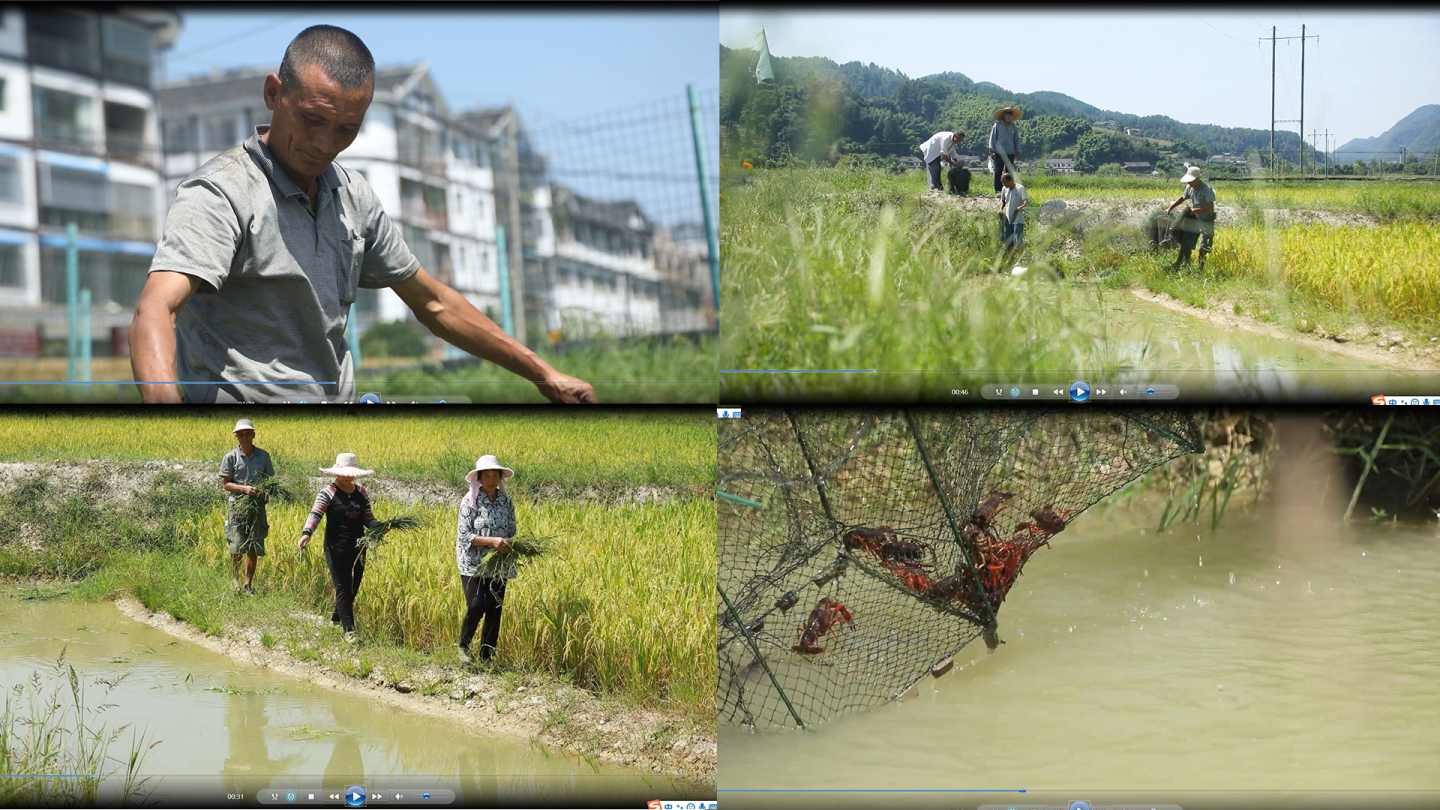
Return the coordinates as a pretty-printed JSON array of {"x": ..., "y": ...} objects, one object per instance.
[
  {"x": 1147, "y": 572},
  {"x": 1220, "y": 688},
  {"x": 1072, "y": 628},
  {"x": 1277, "y": 582},
  {"x": 1232, "y": 577},
  {"x": 1362, "y": 554},
  {"x": 1202, "y": 562}
]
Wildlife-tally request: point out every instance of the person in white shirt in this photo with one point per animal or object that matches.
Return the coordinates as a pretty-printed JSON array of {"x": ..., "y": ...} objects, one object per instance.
[
  {"x": 1013, "y": 200},
  {"x": 940, "y": 146}
]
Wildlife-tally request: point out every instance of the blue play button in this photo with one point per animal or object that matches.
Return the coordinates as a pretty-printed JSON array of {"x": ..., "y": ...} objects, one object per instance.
[
  {"x": 1079, "y": 391},
  {"x": 355, "y": 796},
  {"x": 369, "y": 399}
]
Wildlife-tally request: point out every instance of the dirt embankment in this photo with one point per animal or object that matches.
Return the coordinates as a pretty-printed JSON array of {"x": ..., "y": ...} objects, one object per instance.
[
  {"x": 555, "y": 715},
  {"x": 1388, "y": 349},
  {"x": 120, "y": 481}
]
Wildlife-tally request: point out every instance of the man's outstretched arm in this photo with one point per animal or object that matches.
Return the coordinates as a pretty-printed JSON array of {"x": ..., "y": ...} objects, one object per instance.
[
  {"x": 456, "y": 321},
  {"x": 152, "y": 334}
]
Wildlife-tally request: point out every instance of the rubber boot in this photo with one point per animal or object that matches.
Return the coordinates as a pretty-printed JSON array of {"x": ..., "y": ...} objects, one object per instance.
[{"x": 1183, "y": 261}]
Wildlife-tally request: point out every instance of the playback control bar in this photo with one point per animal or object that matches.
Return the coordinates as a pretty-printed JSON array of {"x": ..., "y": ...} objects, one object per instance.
[
  {"x": 1079, "y": 391},
  {"x": 355, "y": 796}
]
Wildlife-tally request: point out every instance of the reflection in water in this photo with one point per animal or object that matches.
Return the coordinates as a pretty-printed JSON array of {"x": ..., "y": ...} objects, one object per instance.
[{"x": 346, "y": 766}]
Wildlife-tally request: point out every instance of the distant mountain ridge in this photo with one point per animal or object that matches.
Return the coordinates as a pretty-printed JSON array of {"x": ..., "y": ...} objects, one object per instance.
[{"x": 1419, "y": 132}]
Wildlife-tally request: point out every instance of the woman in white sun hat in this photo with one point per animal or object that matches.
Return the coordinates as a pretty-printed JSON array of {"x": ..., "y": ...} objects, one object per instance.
[
  {"x": 487, "y": 521},
  {"x": 346, "y": 507}
]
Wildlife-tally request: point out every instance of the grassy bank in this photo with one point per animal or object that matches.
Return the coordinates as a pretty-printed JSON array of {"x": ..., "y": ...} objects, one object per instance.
[
  {"x": 673, "y": 370},
  {"x": 856, "y": 269},
  {"x": 619, "y": 607}
]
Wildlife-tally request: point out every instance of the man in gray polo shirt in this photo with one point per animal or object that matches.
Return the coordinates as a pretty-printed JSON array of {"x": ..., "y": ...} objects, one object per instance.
[
  {"x": 240, "y": 470},
  {"x": 276, "y": 238}
]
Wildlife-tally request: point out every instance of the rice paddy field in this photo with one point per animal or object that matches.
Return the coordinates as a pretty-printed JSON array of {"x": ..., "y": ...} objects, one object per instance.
[
  {"x": 856, "y": 269},
  {"x": 619, "y": 605}
]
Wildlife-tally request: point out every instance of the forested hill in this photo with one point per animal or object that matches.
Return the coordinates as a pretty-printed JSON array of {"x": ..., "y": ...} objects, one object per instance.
[{"x": 817, "y": 110}]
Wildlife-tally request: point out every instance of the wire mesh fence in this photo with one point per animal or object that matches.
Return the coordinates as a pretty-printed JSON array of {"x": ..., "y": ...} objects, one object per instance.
[
  {"x": 858, "y": 552},
  {"x": 632, "y": 244}
]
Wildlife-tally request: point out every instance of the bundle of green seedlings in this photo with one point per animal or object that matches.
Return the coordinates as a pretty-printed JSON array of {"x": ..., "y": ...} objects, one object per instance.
[
  {"x": 375, "y": 536},
  {"x": 269, "y": 488},
  {"x": 523, "y": 548}
]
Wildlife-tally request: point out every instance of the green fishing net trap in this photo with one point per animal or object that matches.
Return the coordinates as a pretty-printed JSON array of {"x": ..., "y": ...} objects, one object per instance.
[{"x": 859, "y": 551}]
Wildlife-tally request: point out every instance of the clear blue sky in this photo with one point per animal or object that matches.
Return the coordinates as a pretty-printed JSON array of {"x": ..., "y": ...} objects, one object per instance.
[
  {"x": 555, "y": 65},
  {"x": 1367, "y": 71}
]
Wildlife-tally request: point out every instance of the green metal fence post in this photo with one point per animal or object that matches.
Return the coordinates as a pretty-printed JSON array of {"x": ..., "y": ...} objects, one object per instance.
[
  {"x": 72, "y": 300},
  {"x": 507, "y": 321},
  {"x": 84, "y": 336},
  {"x": 712, "y": 236}
]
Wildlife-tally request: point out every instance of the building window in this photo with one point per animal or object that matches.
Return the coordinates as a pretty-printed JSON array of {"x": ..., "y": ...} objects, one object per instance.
[
  {"x": 128, "y": 51},
  {"x": 125, "y": 130},
  {"x": 220, "y": 133},
  {"x": 64, "y": 118},
  {"x": 62, "y": 39},
  {"x": 2, "y": 85},
  {"x": 10, "y": 188},
  {"x": 179, "y": 136},
  {"x": 92, "y": 275},
  {"x": 133, "y": 211},
  {"x": 10, "y": 266}
]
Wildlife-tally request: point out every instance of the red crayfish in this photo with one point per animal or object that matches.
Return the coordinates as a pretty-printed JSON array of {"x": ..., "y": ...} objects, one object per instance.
[{"x": 826, "y": 615}]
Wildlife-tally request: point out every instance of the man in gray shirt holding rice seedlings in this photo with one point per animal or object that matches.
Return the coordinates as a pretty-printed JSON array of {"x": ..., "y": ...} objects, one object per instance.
[
  {"x": 246, "y": 524},
  {"x": 277, "y": 239}
]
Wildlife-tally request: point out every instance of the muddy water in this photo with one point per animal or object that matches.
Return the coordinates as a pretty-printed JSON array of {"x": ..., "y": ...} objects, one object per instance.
[
  {"x": 227, "y": 727},
  {"x": 1151, "y": 343},
  {"x": 1285, "y": 651}
]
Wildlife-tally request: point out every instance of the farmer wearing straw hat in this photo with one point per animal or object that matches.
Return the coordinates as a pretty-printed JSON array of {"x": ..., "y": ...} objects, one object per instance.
[
  {"x": 266, "y": 246},
  {"x": 1202, "y": 202},
  {"x": 240, "y": 469},
  {"x": 1004, "y": 142},
  {"x": 487, "y": 521},
  {"x": 347, "y": 506}
]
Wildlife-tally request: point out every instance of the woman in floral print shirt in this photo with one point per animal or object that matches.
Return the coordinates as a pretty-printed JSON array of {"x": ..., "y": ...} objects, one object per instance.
[{"x": 487, "y": 521}]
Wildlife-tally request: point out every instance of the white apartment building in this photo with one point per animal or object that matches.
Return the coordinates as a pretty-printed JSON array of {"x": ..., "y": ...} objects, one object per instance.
[{"x": 79, "y": 142}]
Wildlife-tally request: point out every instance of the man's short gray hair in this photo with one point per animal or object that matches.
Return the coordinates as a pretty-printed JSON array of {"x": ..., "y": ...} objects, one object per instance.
[{"x": 338, "y": 52}]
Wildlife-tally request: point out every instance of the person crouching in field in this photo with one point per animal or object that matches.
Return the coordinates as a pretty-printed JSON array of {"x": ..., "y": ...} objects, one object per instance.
[
  {"x": 940, "y": 146},
  {"x": 240, "y": 469},
  {"x": 1013, "y": 201},
  {"x": 1202, "y": 201},
  {"x": 487, "y": 521},
  {"x": 347, "y": 506}
]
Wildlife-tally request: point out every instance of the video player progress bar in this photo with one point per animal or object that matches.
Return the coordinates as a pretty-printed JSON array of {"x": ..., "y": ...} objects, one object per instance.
[
  {"x": 861, "y": 790},
  {"x": 801, "y": 371},
  {"x": 132, "y": 382}
]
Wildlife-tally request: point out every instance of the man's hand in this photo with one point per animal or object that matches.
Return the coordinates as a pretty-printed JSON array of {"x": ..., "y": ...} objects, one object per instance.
[
  {"x": 455, "y": 320},
  {"x": 152, "y": 334},
  {"x": 567, "y": 390},
  {"x": 251, "y": 491}
]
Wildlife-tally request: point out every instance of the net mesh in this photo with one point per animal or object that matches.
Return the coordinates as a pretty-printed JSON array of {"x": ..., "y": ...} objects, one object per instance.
[{"x": 859, "y": 551}]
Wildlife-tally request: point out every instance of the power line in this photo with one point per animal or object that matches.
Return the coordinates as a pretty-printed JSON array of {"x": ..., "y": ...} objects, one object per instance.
[
  {"x": 1218, "y": 31},
  {"x": 237, "y": 37}
]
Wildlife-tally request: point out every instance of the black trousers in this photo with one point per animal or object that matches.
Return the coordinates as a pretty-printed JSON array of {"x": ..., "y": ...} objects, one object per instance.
[
  {"x": 933, "y": 167},
  {"x": 347, "y": 568},
  {"x": 1002, "y": 166},
  {"x": 483, "y": 600}
]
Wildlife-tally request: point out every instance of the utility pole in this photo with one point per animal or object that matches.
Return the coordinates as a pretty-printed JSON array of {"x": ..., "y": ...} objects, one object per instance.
[
  {"x": 1301, "y": 120},
  {"x": 1402, "y": 161}
]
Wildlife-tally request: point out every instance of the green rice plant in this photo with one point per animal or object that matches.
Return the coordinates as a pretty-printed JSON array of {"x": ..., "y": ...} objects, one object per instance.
[
  {"x": 376, "y": 535},
  {"x": 269, "y": 489},
  {"x": 522, "y": 549}
]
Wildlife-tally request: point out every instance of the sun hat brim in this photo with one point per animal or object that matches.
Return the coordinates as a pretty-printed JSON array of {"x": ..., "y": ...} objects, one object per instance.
[
  {"x": 1016, "y": 111},
  {"x": 347, "y": 472},
  {"x": 474, "y": 475}
]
